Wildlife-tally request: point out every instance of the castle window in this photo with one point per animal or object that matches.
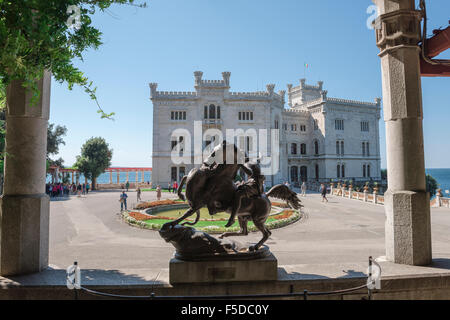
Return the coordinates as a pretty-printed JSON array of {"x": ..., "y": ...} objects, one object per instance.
[
  {"x": 316, "y": 147},
  {"x": 246, "y": 116},
  {"x": 294, "y": 148},
  {"x": 285, "y": 126},
  {"x": 338, "y": 171},
  {"x": 368, "y": 170},
  {"x": 343, "y": 171},
  {"x": 365, "y": 126},
  {"x": 338, "y": 152},
  {"x": 303, "y": 149},
  {"x": 218, "y": 112},
  {"x": 364, "y": 171},
  {"x": 177, "y": 115},
  {"x": 277, "y": 124},
  {"x": 339, "y": 124},
  {"x": 293, "y": 127},
  {"x": 212, "y": 112},
  {"x": 302, "y": 128}
]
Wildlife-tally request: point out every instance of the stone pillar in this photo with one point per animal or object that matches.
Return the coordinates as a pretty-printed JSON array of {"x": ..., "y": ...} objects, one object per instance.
[
  {"x": 375, "y": 199},
  {"x": 366, "y": 195},
  {"x": 350, "y": 190},
  {"x": 142, "y": 176},
  {"x": 73, "y": 177},
  {"x": 128, "y": 176},
  {"x": 407, "y": 204},
  {"x": 24, "y": 209},
  {"x": 118, "y": 177},
  {"x": 110, "y": 177},
  {"x": 137, "y": 177}
]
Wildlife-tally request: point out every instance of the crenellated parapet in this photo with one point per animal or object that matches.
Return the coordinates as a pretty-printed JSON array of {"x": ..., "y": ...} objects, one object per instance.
[
  {"x": 347, "y": 102},
  {"x": 173, "y": 95}
]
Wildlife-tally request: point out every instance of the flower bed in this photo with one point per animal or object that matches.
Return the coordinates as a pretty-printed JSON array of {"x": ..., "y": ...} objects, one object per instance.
[
  {"x": 212, "y": 226},
  {"x": 147, "y": 205}
]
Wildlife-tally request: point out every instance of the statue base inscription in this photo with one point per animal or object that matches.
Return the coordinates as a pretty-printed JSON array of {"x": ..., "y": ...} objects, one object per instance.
[
  {"x": 202, "y": 258},
  {"x": 214, "y": 271}
]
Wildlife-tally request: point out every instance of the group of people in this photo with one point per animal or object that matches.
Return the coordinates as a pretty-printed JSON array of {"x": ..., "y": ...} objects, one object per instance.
[
  {"x": 172, "y": 186},
  {"x": 323, "y": 190},
  {"x": 55, "y": 190}
]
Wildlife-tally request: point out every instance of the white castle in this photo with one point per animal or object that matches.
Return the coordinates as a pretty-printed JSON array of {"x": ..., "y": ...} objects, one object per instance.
[{"x": 320, "y": 138}]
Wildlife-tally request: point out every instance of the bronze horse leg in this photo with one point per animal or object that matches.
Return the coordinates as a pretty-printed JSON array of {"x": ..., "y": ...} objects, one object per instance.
[
  {"x": 266, "y": 234},
  {"x": 187, "y": 214},
  {"x": 243, "y": 221}
]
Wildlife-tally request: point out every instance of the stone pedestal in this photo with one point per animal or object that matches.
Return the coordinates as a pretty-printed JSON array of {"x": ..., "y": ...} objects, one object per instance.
[
  {"x": 182, "y": 272},
  {"x": 24, "y": 209},
  {"x": 24, "y": 234},
  {"x": 408, "y": 227}
]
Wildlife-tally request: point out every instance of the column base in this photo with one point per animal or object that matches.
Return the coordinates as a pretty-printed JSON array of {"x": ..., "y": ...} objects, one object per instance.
[
  {"x": 408, "y": 227},
  {"x": 24, "y": 234}
]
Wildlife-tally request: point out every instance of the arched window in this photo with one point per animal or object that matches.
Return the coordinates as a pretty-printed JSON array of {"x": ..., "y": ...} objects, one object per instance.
[
  {"x": 206, "y": 112},
  {"x": 338, "y": 170},
  {"x": 294, "y": 174},
  {"x": 218, "y": 112},
  {"x": 342, "y": 148},
  {"x": 294, "y": 148},
  {"x": 317, "y": 172},
  {"x": 303, "y": 149},
  {"x": 343, "y": 171},
  {"x": 316, "y": 147},
  {"x": 337, "y": 148},
  {"x": 364, "y": 171},
  {"x": 368, "y": 170},
  {"x": 304, "y": 173},
  {"x": 212, "y": 112},
  {"x": 364, "y": 149}
]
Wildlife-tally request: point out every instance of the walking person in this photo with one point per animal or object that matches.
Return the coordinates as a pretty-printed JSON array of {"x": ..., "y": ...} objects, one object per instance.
[
  {"x": 138, "y": 193},
  {"x": 127, "y": 185},
  {"x": 83, "y": 189},
  {"x": 303, "y": 189},
  {"x": 169, "y": 186},
  {"x": 158, "y": 193},
  {"x": 87, "y": 187},
  {"x": 323, "y": 190},
  {"x": 123, "y": 201},
  {"x": 79, "y": 190}
]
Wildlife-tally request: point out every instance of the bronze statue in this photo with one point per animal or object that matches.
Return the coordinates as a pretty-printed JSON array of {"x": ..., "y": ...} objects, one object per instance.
[{"x": 212, "y": 185}]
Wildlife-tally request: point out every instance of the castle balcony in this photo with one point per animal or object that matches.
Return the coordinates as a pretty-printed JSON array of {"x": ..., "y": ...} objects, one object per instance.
[{"x": 212, "y": 121}]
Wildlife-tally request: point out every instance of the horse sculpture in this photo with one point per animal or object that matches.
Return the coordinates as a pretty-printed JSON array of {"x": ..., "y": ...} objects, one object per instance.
[{"x": 215, "y": 189}]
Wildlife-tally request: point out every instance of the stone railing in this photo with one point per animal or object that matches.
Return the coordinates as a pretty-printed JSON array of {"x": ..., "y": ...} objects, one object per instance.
[
  {"x": 374, "y": 197},
  {"x": 366, "y": 196}
]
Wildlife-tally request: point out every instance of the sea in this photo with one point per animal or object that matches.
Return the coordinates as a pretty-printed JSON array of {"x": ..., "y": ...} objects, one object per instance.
[{"x": 443, "y": 178}]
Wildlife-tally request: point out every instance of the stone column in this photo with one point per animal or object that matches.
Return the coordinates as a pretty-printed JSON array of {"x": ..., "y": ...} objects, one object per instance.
[
  {"x": 128, "y": 176},
  {"x": 407, "y": 204},
  {"x": 350, "y": 190},
  {"x": 118, "y": 177},
  {"x": 142, "y": 176},
  {"x": 375, "y": 199},
  {"x": 366, "y": 195},
  {"x": 24, "y": 215},
  {"x": 137, "y": 177},
  {"x": 110, "y": 177},
  {"x": 73, "y": 177}
]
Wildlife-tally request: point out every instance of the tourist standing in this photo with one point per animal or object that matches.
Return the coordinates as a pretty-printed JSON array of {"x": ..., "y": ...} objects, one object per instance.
[
  {"x": 138, "y": 192},
  {"x": 87, "y": 187},
  {"x": 127, "y": 185},
  {"x": 79, "y": 190},
  {"x": 303, "y": 189},
  {"x": 123, "y": 201},
  {"x": 323, "y": 191},
  {"x": 158, "y": 193},
  {"x": 175, "y": 187},
  {"x": 169, "y": 187}
]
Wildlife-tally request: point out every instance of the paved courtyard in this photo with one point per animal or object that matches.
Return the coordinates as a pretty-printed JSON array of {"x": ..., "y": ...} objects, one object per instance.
[{"x": 89, "y": 230}]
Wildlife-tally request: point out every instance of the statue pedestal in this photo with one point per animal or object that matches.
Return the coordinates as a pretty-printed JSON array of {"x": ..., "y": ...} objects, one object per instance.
[{"x": 263, "y": 269}]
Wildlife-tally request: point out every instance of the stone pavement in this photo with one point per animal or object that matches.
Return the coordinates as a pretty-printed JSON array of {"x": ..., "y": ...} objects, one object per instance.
[{"x": 342, "y": 232}]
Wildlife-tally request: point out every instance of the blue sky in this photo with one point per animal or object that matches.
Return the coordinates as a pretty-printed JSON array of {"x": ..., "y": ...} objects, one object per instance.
[{"x": 258, "y": 41}]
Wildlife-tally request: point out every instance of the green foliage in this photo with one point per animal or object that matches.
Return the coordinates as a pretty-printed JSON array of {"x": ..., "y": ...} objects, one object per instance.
[
  {"x": 432, "y": 185},
  {"x": 384, "y": 174},
  {"x": 94, "y": 159},
  {"x": 36, "y": 35},
  {"x": 54, "y": 140}
]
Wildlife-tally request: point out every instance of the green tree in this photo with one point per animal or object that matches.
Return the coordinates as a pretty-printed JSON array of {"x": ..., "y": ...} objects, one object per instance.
[
  {"x": 39, "y": 35},
  {"x": 432, "y": 185},
  {"x": 94, "y": 159},
  {"x": 55, "y": 136}
]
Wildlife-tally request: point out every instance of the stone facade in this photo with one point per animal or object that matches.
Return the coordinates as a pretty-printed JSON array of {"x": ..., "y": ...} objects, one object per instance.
[{"x": 320, "y": 138}]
